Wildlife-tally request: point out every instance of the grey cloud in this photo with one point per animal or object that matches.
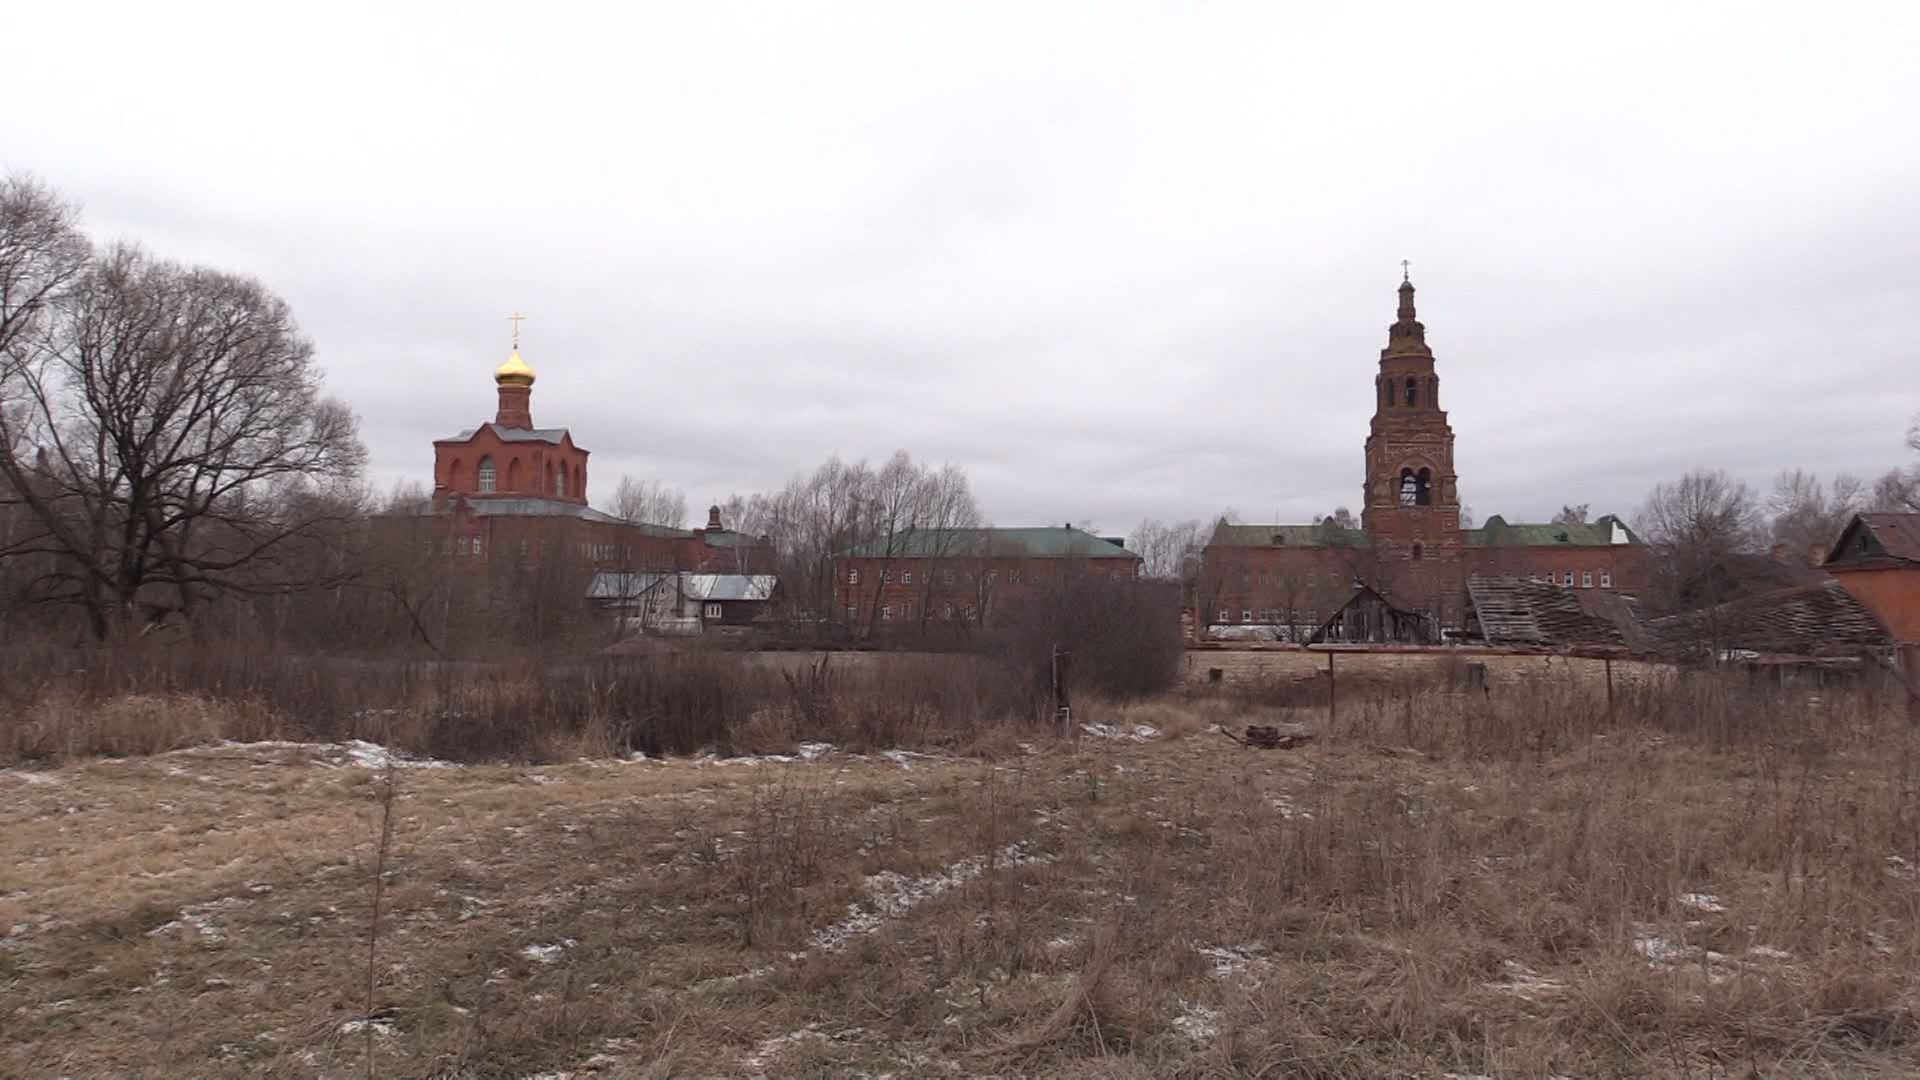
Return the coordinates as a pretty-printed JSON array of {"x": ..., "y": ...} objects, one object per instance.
[{"x": 1117, "y": 260}]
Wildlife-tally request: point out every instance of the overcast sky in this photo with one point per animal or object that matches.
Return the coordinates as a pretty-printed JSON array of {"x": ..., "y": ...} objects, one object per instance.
[{"x": 1117, "y": 260}]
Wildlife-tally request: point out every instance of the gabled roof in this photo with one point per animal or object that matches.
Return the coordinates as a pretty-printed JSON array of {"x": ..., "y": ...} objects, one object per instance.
[
  {"x": 1519, "y": 612},
  {"x": 554, "y": 436},
  {"x": 1277, "y": 536},
  {"x": 1807, "y": 620},
  {"x": 1498, "y": 532},
  {"x": 1036, "y": 543},
  {"x": 1882, "y": 538}
]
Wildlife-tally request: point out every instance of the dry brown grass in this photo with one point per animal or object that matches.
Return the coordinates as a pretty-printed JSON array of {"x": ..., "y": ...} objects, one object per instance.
[{"x": 1715, "y": 883}]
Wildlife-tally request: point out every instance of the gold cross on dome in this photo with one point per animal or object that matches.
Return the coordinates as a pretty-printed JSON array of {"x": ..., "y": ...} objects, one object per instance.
[
  {"x": 1406, "y": 270},
  {"x": 516, "y": 319}
]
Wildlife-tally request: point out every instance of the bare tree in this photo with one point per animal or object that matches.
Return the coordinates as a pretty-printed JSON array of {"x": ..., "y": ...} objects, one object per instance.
[
  {"x": 1899, "y": 490},
  {"x": 161, "y": 426},
  {"x": 1571, "y": 515},
  {"x": 1165, "y": 548},
  {"x": 1700, "y": 527},
  {"x": 649, "y": 502},
  {"x": 1808, "y": 514}
]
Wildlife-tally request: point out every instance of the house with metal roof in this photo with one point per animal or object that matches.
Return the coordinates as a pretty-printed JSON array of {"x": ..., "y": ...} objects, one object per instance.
[{"x": 684, "y": 604}]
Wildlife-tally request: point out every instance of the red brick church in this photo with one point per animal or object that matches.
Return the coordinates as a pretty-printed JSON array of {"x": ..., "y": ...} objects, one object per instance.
[
  {"x": 1409, "y": 557},
  {"x": 509, "y": 495}
]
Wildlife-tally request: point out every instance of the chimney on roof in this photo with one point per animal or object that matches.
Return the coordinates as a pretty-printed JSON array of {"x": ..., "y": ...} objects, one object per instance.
[{"x": 713, "y": 519}]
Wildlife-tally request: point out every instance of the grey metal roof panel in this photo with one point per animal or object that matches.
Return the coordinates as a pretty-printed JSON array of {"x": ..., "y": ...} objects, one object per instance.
[
  {"x": 531, "y": 507},
  {"x": 545, "y": 435}
]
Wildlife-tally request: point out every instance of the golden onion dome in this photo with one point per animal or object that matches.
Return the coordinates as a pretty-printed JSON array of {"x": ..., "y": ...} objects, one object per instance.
[{"x": 514, "y": 372}]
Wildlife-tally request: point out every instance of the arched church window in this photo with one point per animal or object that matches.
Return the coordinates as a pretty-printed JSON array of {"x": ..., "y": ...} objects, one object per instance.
[
  {"x": 1409, "y": 488},
  {"x": 560, "y": 481},
  {"x": 456, "y": 477},
  {"x": 1386, "y": 393},
  {"x": 1413, "y": 391},
  {"x": 1423, "y": 487},
  {"x": 514, "y": 477},
  {"x": 485, "y": 475},
  {"x": 1417, "y": 552}
]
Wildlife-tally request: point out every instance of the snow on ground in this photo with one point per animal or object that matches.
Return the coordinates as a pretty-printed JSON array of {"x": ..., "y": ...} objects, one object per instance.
[
  {"x": 891, "y": 894},
  {"x": 1197, "y": 1022},
  {"x": 1523, "y": 981},
  {"x": 198, "y": 917},
  {"x": 1232, "y": 960},
  {"x": 1701, "y": 902},
  {"x": 547, "y": 954},
  {"x": 1136, "y": 733},
  {"x": 361, "y": 1027},
  {"x": 29, "y": 777},
  {"x": 770, "y": 1049}
]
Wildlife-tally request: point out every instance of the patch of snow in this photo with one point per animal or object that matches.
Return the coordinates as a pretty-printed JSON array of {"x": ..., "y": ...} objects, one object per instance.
[
  {"x": 1769, "y": 952},
  {"x": 724, "y": 981},
  {"x": 539, "y": 778},
  {"x": 355, "y": 753},
  {"x": 1137, "y": 733},
  {"x": 1662, "y": 953},
  {"x": 1522, "y": 981},
  {"x": 358, "y": 1027},
  {"x": 1288, "y": 810},
  {"x": 904, "y": 758},
  {"x": 810, "y": 750},
  {"x": 547, "y": 954},
  {"x": 891, "y": 894},
  {"x": 30, "y": 777},
  {"x": 1659, "y": 950},
  {"x": 770, "y": 1048},
  {"x": 196, "y": 917},
  {"x": 1701, "y": 901},
  {"x": 1197, "y": 1022},
  {"x": 1902, "y": 869},
  {"x": 1231, "y": 960}
]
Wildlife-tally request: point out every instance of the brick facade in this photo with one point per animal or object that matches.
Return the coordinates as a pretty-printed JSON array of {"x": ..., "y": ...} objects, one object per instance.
[
  {"x": 961, "y": 577},
  {"x": 1409, "y": 546}
]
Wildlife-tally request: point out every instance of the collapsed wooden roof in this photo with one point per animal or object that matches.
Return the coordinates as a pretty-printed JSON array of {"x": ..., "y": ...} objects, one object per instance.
[{"x": 1815, "y": 620}]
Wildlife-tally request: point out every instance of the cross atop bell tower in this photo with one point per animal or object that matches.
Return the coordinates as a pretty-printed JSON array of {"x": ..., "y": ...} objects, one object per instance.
[{"x": 1412, "y": 503}]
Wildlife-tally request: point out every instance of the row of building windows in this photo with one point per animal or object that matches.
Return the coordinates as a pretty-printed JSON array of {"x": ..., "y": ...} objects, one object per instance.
[
  {"x": 904, "y": 610},
  {"x": 1273, "y": 617},
  {"x": 476, "y": 547},
  {"x": 486, "y": 478},
  {"x": 1581, "y": 579}
]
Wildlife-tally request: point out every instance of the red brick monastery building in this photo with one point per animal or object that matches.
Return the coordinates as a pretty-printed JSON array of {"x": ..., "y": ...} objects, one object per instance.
[
  {"x": 1409, "y": 554},
  {"x": 509, "y": 494}
]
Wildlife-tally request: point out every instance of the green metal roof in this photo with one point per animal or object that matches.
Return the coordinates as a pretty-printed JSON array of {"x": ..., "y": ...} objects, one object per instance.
[
  {"x": 1498, "y": 532},
  {"x": 1306, "y": 536},
  {"x": 1057, "y": 542}
]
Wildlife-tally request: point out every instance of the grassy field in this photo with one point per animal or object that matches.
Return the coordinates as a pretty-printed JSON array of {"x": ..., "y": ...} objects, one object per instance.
[{"x": 1438, "y": 884}]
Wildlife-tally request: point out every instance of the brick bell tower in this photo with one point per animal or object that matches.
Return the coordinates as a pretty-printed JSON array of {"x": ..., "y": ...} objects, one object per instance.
[{"x": 1412, "y": 506}]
